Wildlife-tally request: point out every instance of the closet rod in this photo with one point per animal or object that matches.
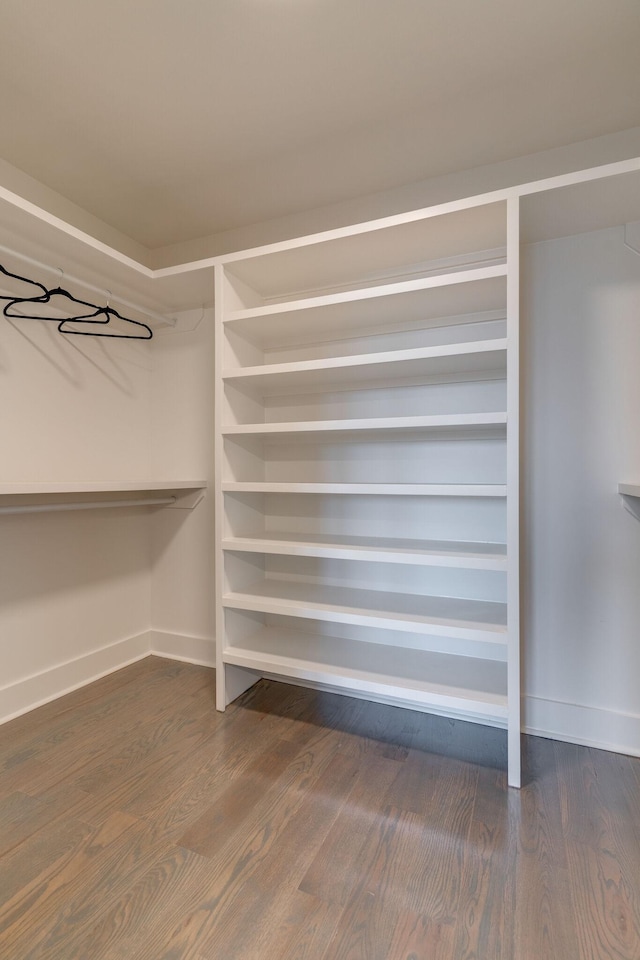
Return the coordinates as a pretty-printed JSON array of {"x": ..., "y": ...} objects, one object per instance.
[
  {"x": 85, "y": 505},
  {"x": 157, "y": 317}
]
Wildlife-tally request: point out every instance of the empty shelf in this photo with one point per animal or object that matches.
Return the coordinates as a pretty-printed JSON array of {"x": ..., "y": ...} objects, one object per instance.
[
  {"x": 462, "y": 359},
  {"x": 412, "y": 676},
  {"x": 370, "y": 425},
  {"x": 442, "y": 616},
  {"x": 469, "y": 275},
  {"x": 377, "y": 489},
  {"x": 443, "y": 553}
]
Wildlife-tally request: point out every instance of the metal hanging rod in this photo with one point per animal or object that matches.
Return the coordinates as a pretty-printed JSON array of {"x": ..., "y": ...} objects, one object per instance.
[
  {"x": 85, "y": 505},
  {"x": 102, "y": 291}
]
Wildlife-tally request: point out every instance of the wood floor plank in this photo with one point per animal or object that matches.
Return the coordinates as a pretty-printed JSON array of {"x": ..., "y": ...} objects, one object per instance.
[
  {"x": 107, "y": 782},
  {"x": 603, "y": 852},
  {"x": 131, "y": 916},
  {"x": 606, "y": 901},
  {"x": 247, "y": 922},
  {"x": 236, "y": 862},
  {"x": 22, "y": 815},
  {"x": 432, "y": 846},
  {"x": 298, "y": 928},
  {"x": 621, "y": 799},
  {"x": 409, "y": 863},
  {"x": 486, "y": 911},
  {"x": 416, "y": 783},
  {"x": 28, "y": 777},
  {"x": 178, "y": 765},
  {"x": 369, "y": 920},
  {"x": 146, "y": 715},
  {"x": 217, "y": 824},
  {"x": 237, "y": 928},
  {"x": 178, "y": 798},
  {"x": 162, "y": 740},
  {"x": 416, "y": 936},
  {"x": 39, "y": 856},
  {"x": 540, "y": 806},
  {"x": 26, "y": 917},
  {"x": 335, "y": 871}
]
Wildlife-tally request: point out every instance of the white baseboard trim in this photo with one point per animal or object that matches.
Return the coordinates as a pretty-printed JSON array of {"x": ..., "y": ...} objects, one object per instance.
[
  {"x": 587, "y": 726},
  {"x": 47, "y": 685},
  {"x": 177, "y": 646},
  {"x": 554, "y": 719}
]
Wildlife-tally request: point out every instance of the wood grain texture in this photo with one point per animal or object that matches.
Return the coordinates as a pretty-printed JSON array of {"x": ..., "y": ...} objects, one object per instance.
[{"x": 136, "y": 823}]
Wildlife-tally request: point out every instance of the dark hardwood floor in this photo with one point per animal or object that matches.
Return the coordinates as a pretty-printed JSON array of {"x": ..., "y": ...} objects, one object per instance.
[{"x": 136, "y": 823}]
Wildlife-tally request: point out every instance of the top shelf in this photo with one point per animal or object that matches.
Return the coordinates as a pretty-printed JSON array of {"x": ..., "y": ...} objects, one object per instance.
[
  {"x": 375, "y": 292},
  {"x": 372, "y": 255}
]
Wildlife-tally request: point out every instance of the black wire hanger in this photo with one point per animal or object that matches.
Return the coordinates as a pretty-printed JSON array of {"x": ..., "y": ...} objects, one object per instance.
[
  {"x": 16, "y": 276},
  {"x": 109, "y": 312},
  {"x": 94, "y": 311},
  {"x": 97, "y": 317}
]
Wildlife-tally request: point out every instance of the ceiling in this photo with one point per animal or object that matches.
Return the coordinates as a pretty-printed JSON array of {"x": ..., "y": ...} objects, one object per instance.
[{"x": 175, "y": 119}]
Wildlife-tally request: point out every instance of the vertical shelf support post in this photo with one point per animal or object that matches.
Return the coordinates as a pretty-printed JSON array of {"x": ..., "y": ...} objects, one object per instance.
[{"x": 513, "y": 490}]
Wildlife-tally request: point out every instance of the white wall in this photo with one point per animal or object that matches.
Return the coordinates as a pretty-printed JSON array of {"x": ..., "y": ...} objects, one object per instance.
[
  {"x": 71, "y": 407},
  {"x": 74, "y": 587},
  {"x": 182, "y": 601},
  {"x": 84, "y": 592},
  {"x": 581, "y": 369}
]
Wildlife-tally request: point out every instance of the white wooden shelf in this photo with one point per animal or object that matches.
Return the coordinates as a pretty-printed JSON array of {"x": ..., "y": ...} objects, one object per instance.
[
  {"x": 437, "y": 553},
  {"x": 461, "y": 359},
  {"x": 629, "y": 489},
  {"x": 444, "y": 616},
  {"x": 418, "y": 677},
  {"x": 50, "y": 496},
  {"x": 371, "y": 489},
  {"x": 465, "y": 303},
  {"x": 340, "y": 257},
  {"x": 46, "y": 487},
  {"x": 400, "y": 426},
  {"x": 369, "y": 293}
]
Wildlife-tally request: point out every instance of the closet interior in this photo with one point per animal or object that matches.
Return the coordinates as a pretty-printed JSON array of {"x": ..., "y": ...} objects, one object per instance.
[{"x": 366, "y": 448}]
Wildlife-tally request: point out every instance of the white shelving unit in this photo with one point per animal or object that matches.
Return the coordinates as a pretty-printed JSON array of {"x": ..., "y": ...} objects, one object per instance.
[{"x": 367, "y": 488}]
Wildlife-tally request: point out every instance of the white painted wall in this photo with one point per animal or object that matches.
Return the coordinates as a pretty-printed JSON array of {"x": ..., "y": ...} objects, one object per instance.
[
  {"x": 581, "y": 362},
  {"x": 72, "y": 407},
  {"x": 71, "y": 584},
  {"x": 182, "y": 600},
  {"x": 85, "y": 592}
]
